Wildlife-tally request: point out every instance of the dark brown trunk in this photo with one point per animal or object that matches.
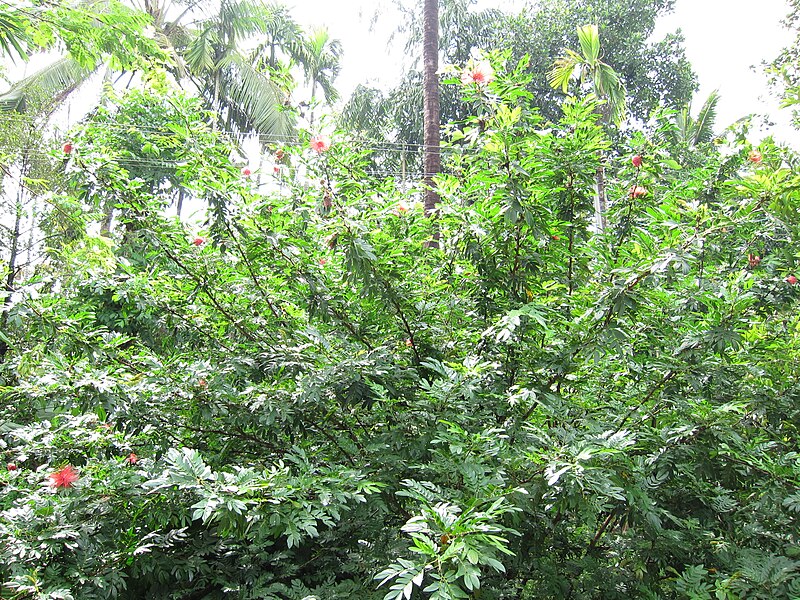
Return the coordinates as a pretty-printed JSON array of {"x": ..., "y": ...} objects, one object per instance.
[{"x": 430, "y": 82}]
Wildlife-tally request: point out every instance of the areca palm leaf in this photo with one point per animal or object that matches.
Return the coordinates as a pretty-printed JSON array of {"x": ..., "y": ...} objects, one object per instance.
[
  {"x": 53, "y": 83},
  {"x": 607, "y": 84},
  {"x": 253, "y": 101},
  {"x": 245, "y": 18},
  {"x": 703, "y": 129},
  {"x": 14, "y": 35},
  {"x": 683, "y": 123},
  {"x": 563, "y": 69},
  {"x": 589, "y": 39},
  {"x": 328, "y": 90},
  {"x": 284, "y": 34},
  {"x": 199, "y": 54}
]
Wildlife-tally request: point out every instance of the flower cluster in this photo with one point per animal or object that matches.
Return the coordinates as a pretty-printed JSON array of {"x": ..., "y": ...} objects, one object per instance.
[
  {"x": 320, "y": 143},
  {"x": 477, "y": 72},
  {"x": 637, "y": 191},
  {"x": 64, "y": 478}
]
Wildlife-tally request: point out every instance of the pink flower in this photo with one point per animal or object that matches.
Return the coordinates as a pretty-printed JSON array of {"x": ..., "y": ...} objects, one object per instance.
[
  {"x": 246, "y": 172},
  {"x": 11, "y": 467},
  {"x": 323, "y": 261},
  {"x": 64, "y": 478},
  {"x": 132, "y": 459},
  {"x": 320, "y": 143},
  {"x": 791, "y": 280},
  {"x": 638, "y": 191},
  {"x": 279, "y": 154},
  {"x": 637, "y": 161},
  {"x": 67, "y": 148},
  {"x": 198, "y": 241},
  {"x": 754, "y": 156},
  {"x": 480, "y": 72},
  {"x": 276, "y": 169}
]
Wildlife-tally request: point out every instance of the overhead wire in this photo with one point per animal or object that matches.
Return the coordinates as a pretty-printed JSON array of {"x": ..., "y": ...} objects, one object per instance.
[{"x": 266, "y": 138}]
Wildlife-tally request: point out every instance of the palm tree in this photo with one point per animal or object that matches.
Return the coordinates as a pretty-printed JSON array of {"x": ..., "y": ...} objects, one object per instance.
[
  {"x": 694, "y": 131},
  {"x": 605, "y": 84},
  {"x": 604, "y": 80},
  {"x": 245, "y": 98},
  {"x": 321, "y": 63}
]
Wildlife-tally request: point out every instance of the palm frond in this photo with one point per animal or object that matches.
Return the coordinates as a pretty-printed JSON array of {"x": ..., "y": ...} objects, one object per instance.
[
  {"x": 254, "y": 101},
  {"x": 608, "y": 85},
  {"x": 703, "y": 130},
  {"x": 14, "y": 37},
  {"x": 589, "y": 38},
  {"x": 562, "y": 71},
  {"x": 199, "y": 53},
  {"x": 683, "y": 121},
  {"x": 49, "y": 86},
  {"x": 246, "y": 18}
]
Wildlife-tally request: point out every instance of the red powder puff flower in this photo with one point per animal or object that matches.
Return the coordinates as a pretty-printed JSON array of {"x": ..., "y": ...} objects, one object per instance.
[
  {"x": 132, "y": 459},
  {"x": 64, "y": 478},
  {"x": 320, "y": 143},
  {"x": 638, "y": 191},
  {"x": 480, "y": 72}
]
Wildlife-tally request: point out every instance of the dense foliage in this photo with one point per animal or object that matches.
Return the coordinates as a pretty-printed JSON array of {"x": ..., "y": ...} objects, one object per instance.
[
  {"x": 299, "y": 398},
  {"x": 783, "y": 71}
]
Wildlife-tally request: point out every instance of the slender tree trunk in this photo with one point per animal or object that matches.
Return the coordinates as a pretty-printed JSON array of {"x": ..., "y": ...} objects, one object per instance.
[
  {"x": 105, "y": 225},
  {"x": 11, "y": 276},
  {"x": 601, "y": 205},
  {"x": 179, "y": 208},
  {"x": 313, "y": 101},
  {"x": 430, "y": 56}
]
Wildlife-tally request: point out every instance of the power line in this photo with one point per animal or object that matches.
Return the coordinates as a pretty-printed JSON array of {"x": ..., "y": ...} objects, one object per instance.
[{"x": 266, "y": 137}]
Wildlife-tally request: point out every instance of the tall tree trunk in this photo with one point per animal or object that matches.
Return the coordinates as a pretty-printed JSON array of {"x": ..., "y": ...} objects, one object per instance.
[
  {"x": 12, "y": 273},
  {"x": 313, "y": 101},
  {"x": 105, "y": 224},
  {"x": 178, "y": 210},
  {"x": 430, "y": 55},
  {"x": 601, "y": 205}
]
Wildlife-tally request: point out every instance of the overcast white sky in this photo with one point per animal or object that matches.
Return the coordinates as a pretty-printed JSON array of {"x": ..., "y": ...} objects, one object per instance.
[{"x": 725, "y": 39}]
